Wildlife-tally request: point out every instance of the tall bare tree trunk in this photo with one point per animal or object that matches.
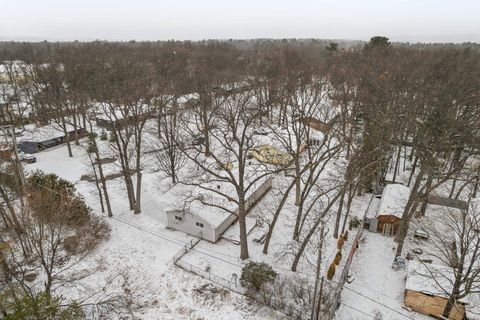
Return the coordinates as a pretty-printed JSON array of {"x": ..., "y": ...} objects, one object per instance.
[
  {"x": 312, "y": 232},
  {"x": 298, "y": 186},
  {"x": 339, "y": 214},
  {"x": 397, "y": 163},
  {"x": 137, "y": 208},
  {"x": 410, "y": 207},
  {"x": 67, "y": 138},
  {"x": 103, "y": 182},
  {"x": 275, "y": 218},
  {"x": 243, "y": 227}
]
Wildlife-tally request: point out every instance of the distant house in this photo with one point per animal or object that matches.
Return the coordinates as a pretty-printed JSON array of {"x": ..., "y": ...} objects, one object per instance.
[
  {"x": 425, "y": 290},
  {"x": 187, "y": 211},
  {"x": 315, "y": 124},
  {"x": 109, "y": 118},
  {"x": 320, "y": 128},
  {"x": 34, "y": 139},
  {"x": 384, "y": 214},
  {"x": 12, "y": 68}
]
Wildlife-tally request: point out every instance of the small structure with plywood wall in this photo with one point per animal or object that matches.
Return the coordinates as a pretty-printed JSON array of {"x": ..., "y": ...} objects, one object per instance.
[
  {"x": 390, "y": 207},
  {"x": 425, "y": 290}
]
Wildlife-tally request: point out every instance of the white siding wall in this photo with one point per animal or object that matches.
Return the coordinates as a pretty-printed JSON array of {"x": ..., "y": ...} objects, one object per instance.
[{"x": 188, "y": 225}]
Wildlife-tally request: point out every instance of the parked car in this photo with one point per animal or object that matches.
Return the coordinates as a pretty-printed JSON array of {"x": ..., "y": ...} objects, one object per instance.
[
  {"x": 27, "y": 158},
  {"x": 261, "y": 132}
]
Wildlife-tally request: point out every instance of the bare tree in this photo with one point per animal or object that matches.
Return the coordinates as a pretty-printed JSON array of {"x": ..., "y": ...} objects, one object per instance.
[
  {"x": 127, "y": 104},
  {"x": 58, "y": 231},
  {"x": 228, "y": 163},
  {"x": 455, "y": 241},
  {"x": 169, "y": 156}
]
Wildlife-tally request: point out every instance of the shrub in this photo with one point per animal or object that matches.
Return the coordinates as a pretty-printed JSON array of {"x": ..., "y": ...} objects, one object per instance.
[
  {"x": 87, "y": 236},
  {"x": 331, "y": 271},
  {"x": 42, "y": 306},
  {"x": 338, "y": 258},
  {"x": 345, "y": 236},
  {"x": 340, "y": 242},
  {"x": 53, "y": 200},
  {"x": 103, "y": 136},
  {"x": 353, "y": 223},
  {"x": 255, "y": 275}
]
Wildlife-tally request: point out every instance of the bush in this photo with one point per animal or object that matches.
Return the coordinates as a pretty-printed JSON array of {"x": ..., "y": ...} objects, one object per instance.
[
  {"x": 103, "y": 136},
  {"x": 42, "y": 306},
  {"x": 87, "y": 236},
  {"x": 255, "y": 275},
  {"x": 345, "y": 236},
  {"x": 331, "y": 271},
  {"x": 338, "y": 258},
  {"x": 340, "y": 242},
  {"x": 353, "y": 223}
]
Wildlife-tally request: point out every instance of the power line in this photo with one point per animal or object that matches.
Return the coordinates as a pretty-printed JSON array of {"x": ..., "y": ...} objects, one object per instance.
[
  {"x": 381, "y": 294},
  {"x": 379, "y": 303},
  {"x": 149, "y": 231},
  {"x": 358, "y": 310}
]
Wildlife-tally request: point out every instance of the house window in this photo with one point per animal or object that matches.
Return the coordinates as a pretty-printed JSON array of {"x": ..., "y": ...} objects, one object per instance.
[
  {"x": 178, "y": 218},
  {"x": 199, "y": 224}
]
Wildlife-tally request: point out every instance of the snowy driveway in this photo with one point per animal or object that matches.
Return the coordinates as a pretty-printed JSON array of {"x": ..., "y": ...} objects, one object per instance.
[{"x": 376, "y": 291}]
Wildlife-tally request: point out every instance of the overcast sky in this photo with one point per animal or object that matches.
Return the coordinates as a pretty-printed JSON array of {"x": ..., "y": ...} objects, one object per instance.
[{"x": 400, "y": 20}]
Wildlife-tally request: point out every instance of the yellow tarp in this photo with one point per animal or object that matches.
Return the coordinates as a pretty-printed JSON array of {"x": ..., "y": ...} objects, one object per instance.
[{"x": 270, "y": 154}]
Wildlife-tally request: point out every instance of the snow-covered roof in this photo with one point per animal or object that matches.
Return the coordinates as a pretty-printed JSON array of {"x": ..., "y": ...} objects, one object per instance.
[
  {"x": 184, "y": 197},
  {"x": 104, "y": 111},
  {"x": 431, "y": 279},
  {"x": 33, "y": 133},
  {"x": 187, "y": 97},
  {"x": 372, "y": 208},
  {"x": 394, "y": 199}
]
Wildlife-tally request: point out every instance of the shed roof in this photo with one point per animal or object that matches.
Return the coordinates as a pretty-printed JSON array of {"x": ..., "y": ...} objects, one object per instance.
[
  {"x": 431, "y": 279},
  {"x": 184, "y": 198},
  {"x": 394, "y": 199}
]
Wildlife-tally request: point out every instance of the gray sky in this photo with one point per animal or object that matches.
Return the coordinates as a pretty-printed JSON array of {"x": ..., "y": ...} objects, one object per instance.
[{"x": 400, "y": 20}]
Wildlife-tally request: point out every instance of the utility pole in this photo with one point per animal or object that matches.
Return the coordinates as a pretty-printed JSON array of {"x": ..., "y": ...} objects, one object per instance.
[
  {"x": 6, "y": 131},
  {"x": 319, "y": 303},
  {"x": 314, "y": 314}
]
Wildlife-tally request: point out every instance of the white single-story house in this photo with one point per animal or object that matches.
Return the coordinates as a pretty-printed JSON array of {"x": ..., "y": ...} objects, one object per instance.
[
  {"x": 426, "y": 290},
  {"x": 192, "y": 209},
  {"x": 385, "y": 213}
]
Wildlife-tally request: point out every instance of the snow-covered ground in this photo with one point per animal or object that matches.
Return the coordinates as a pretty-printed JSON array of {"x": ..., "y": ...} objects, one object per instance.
[
  {"x": 376, "y": 288},
  {"x": 141, "y": 249}
]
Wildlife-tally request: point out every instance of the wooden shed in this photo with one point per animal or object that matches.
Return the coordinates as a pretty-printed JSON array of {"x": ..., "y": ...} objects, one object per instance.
[
  {"x": 425, "y": 290},
  {"x": 390, "y": 209}
]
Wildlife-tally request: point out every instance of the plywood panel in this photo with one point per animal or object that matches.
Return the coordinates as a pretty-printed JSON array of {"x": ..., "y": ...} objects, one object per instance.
[{"x": 432, "y": 306}]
